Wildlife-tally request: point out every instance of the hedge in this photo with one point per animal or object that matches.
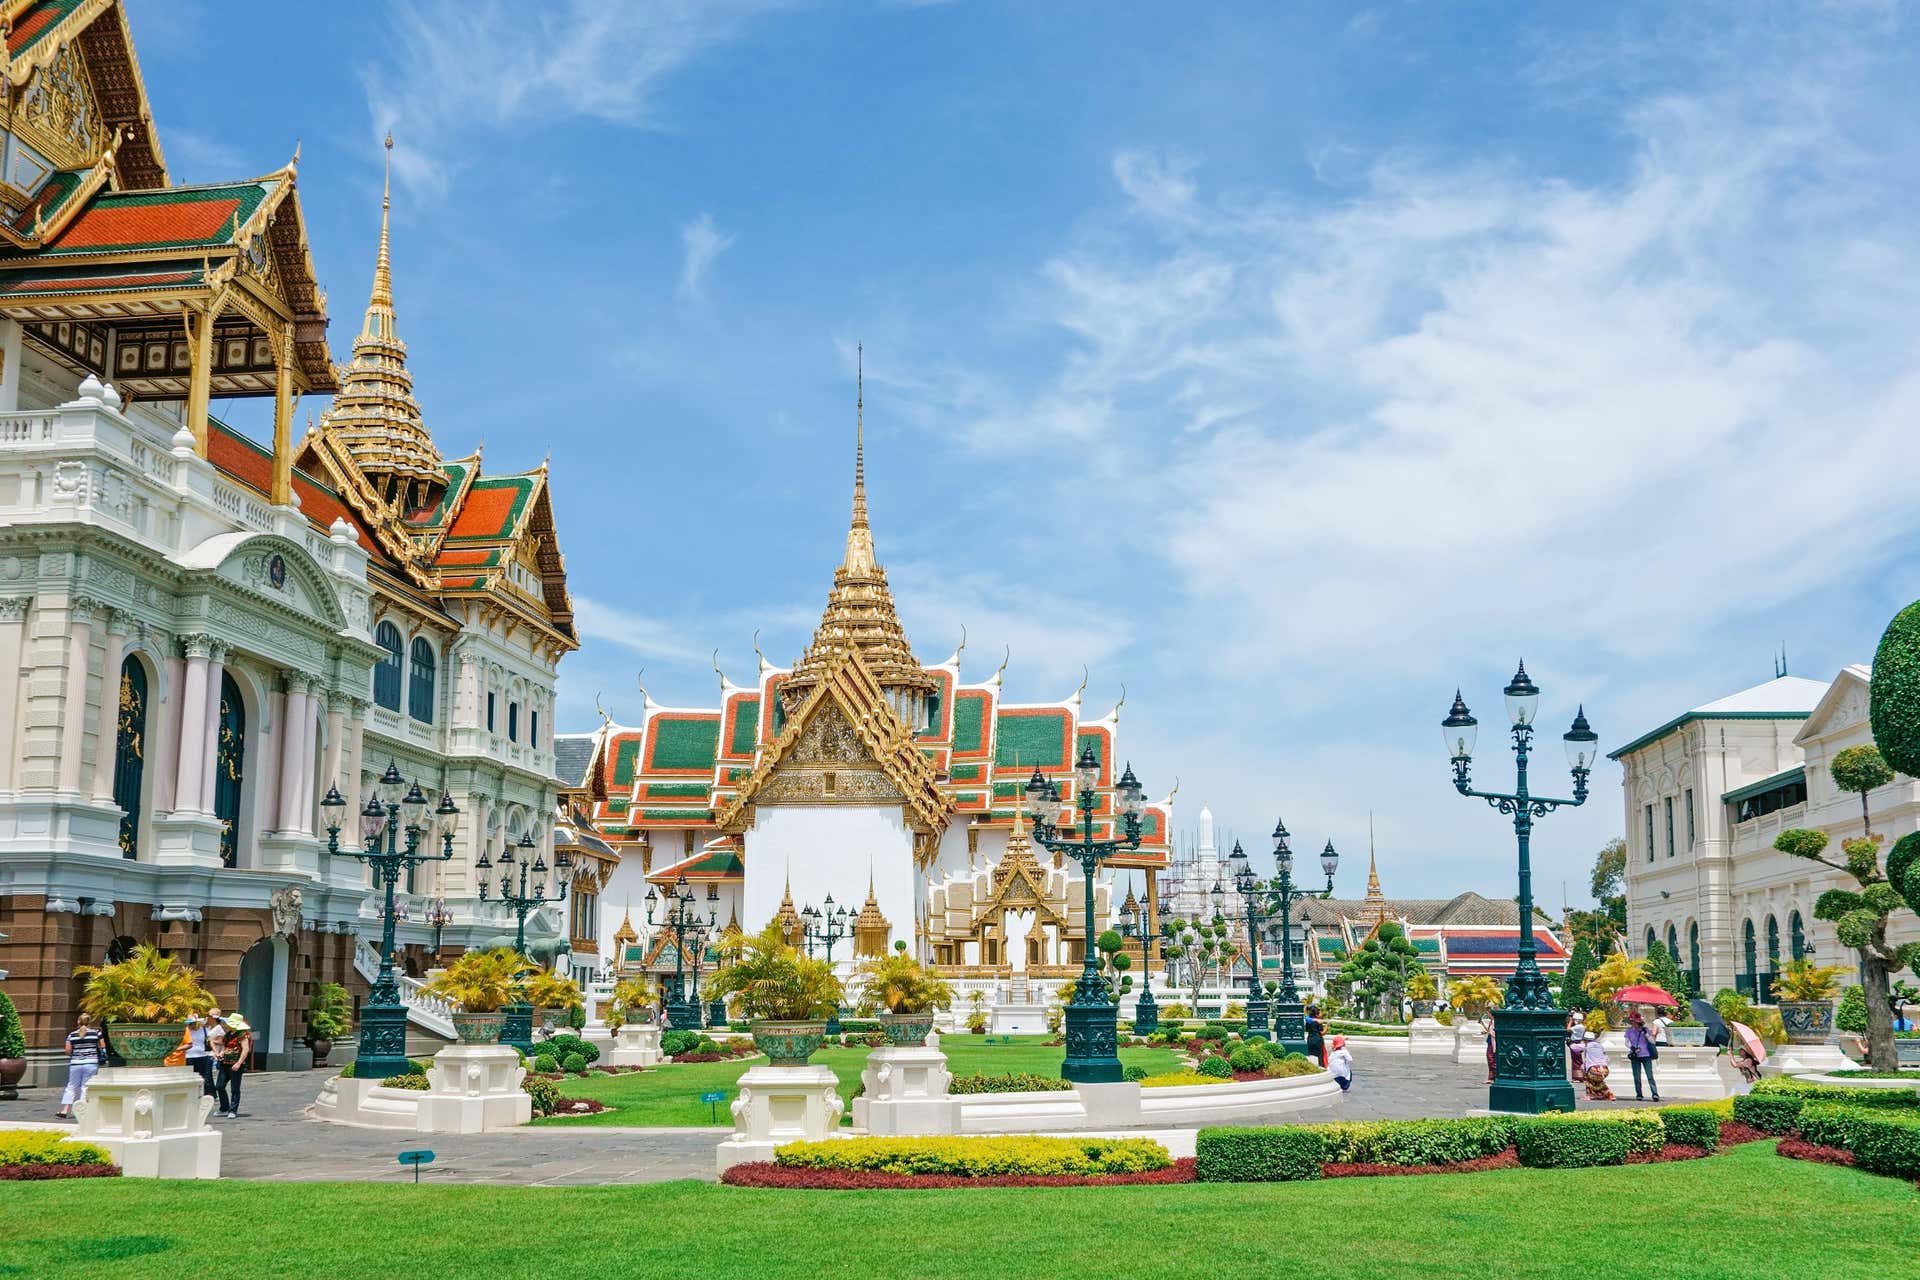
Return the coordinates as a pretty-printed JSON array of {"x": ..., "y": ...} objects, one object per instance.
[
  {"x": 408, "y": 1080},
  {"x": 1774, "y": 1105},
  {"x": 1560, "y": 1142},
  {"x": 1283, "y": 1153},
  {"x": 1417, "y": 1142},
  {"x": 1011, "y": 1082},
  {"x": 563, "y": 1046},
  {"x": 1692, "y": 1126},
  {"x": 545, "y": 1095},
  {"x": 979, "y": 1157},
  {"x": 1881, "y": 1140},
  {"x": 43, "y": 1146}
]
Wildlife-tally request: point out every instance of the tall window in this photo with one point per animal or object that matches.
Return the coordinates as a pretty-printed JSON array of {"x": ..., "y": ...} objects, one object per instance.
[
  {"x": 533, "y": 727},
  {"x": 513, "y": 722},
  {"x": 1747, "y": 980},
  {"x": 130, "y": 753},
  {"x": 1796, "y": 937},
  {"x": 229, "y": 769},
  {"x": 1649, "y": 833},
  {"x": 1673, "y": 949},
  {"x": 386, "y": 672},
  {"x": 420, "y": 682},
  {"x": 1693, "y": 950},
  {"x": 489, "y": 711},
  {"x": 1668, "y": 803},
  {"x": 1773, "y": 944},
  {"x": 1690, "y": 820},
  {"x": 1651, "y": 939}
]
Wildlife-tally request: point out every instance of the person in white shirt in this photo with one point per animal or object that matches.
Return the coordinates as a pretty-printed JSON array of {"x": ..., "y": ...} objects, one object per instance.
[
  {"x": 199, "y": 1056},
  {"x": 1659, "y": 1027},
  {"x": 1340, "y": 1062}
]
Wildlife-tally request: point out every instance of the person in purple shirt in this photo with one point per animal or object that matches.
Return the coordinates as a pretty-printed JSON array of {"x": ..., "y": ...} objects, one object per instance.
[{"x": 1640, "y": 1054}]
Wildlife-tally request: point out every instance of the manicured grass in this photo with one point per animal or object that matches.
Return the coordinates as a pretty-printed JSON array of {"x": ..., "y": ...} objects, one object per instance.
[
  {"x": 670, "y": 1094},
  {"x": 1747, "y": 1213}
]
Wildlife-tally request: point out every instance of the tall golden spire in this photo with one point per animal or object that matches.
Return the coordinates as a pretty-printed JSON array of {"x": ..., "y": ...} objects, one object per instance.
[
  {"x": 859, "y": 534},
  {"x": 1376, "y": 901},
  {"x": 374, "y": 415}
]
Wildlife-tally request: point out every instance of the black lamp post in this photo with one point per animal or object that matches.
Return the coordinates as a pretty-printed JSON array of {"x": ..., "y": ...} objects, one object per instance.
[
  {"x": 1529, "y": 1033},
  {"x": 393, "y": 806},
  {"x": 682, "y": 1014},
  {"x": 1146, "y": 1010},
  {"x": 1092, "y": 1017},
  {"x": 518, "y": 1028},
  {"x": 439, "y": 915},
  {"x": 1247, "y": 885},
  {"x": 826, "y": 926},
  {"x": 1289, "y": 1017}
]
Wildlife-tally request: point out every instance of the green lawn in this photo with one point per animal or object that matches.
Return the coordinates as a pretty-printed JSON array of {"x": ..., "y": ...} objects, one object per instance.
[
  {"x": 1744, "y": 1214},
  {"x": 670, "y": 1094}
]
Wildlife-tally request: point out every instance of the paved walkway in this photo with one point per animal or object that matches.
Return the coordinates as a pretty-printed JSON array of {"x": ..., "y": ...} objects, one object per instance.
[{"x": 274, "y": 1141}]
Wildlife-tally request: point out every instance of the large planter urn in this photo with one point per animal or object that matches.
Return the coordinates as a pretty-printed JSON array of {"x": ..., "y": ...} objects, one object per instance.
[
  {"x": 321, "y": 1047},
  {"x": 11, "y": 1069},
  {"x": 906, "y": 1028},
  {"x": 145, "y": 1044},
  {"x": 1423, "y": 1008},
  {"x": 789, "y": 1044},
  {"x": 1687, "y": 1036},
  {"x": 478, "y": 1028},
  {"x": 1807, "y": 1021}
]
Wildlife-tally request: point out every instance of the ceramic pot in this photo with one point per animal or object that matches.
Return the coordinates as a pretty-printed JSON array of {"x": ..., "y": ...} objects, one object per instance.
[
  {"x": 145, "y": 1044},
  {"x": 789, "y": 1044},
  {"x": 321, "y": 1047},
  {"x": 906, "y": 1028},
  {"x": 11, "y": 1069},
  {"x": 1807, "y": 1021},
  {"x": 478, "y": 1028}
]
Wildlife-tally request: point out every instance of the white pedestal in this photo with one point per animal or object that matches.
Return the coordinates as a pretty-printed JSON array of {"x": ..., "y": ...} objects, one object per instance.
[
  {"x": 1427, "y": 1036},
  {"x": 636, "y": 1044},
  {"x": 1688, "y": 1071},
  {"x": 906, "y": 1093},
  {"x": 474, "y": 1088},
  {"x": 777, "y": 1105},
  {"x": 1018, "y": 1020},
  {"x": 1469, "y": 1044},
  {"x": 153, "y": 1121},
  {"x": 1805, "y": 1060},
  {"x": 1115, "y": 1106}
]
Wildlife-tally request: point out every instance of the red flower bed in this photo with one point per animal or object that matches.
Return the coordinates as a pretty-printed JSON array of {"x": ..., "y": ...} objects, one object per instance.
[
  {"x": 1797, "y": 1149},
  {"x": 700, "y": 1057},
  {"x": 1501, "y": 1160},
  {"x": 1733, "y": 1133},
  {"x": 767, "y": 1174},
  {"x": 54, "y": 1172},
  {"x": 1672, "y": 1151},
  {"x": 578, "y": 1107}
]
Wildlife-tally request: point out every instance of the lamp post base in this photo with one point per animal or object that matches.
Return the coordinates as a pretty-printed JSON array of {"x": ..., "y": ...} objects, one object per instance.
[
  {"x": 1257, "y": 1020},
  {"x": 683, "y": 1015},
  {"x": 1093, "y": 1047},
  {"x": 517, "y": 1030},
  {"x": 1289, "y": 1025},
  {"x": 1530, "y": 1062},
  {"x": 383, "y": 1042},
  {"x": 1146, "y": 1013}
]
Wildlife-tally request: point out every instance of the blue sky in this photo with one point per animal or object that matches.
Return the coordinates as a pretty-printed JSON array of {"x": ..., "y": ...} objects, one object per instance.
[{"x": 1287, "y": 364}]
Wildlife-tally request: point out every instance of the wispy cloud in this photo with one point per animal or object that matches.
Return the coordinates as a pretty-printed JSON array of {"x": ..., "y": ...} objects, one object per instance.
[
  {"x": 458, "y": 67},
  {"x": 700, "y": 243},
  {"x": 196, "y": 157}
]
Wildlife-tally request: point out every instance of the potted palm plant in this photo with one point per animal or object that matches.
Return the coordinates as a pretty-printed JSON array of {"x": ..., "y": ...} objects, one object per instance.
[
  {"x": 554, "y": 996},
  {"x": 784, "y": 996},
  {"x": 13, "y": 1049},
  {"x": 144, "y": 1002},
  {"x": 329, "y": 1018},
  {"x": 907, "y": 993},
  {"x": 1422, "y": 990},
  {"x": 1474, "y": 995},
  {"x": 482, "y": 984},
  {"x": 1805, "y": 993},
  {"x": 632, "y": 998}
]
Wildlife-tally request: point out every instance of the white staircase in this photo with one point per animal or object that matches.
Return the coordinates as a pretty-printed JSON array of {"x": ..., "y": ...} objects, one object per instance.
[{"x": 428, "y": 1012}]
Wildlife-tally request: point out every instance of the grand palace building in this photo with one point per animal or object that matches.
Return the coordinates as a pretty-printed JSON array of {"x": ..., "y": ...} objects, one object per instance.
[
  {"x": 201, "y": 634},
  {"x": 863, "y": 779}
]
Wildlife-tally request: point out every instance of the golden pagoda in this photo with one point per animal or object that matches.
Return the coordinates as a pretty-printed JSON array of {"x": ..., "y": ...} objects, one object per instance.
[
  {"x": 870, "y": 928},
  {"x": 627, "y": 959},
  {"x": 792, "y": 927}
]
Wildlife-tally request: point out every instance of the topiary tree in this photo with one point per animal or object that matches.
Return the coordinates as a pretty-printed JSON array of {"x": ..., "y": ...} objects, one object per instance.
[
  {"x": 1894, "y": 694},
  {"x": 1861, "y": 769},
  {"x": 1114, "y": 963},
  {"x": 1662, "y": 972},
  {"x": 1852, "y": 1014},
  {"x": 1860, "y": 919},
  {"x": 1573, "y": 990}
]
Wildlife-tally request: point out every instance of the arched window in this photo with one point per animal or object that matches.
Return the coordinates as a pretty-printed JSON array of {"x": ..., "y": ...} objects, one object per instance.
[
  {"x": 1773, "y": 943},
  {"x": 1750, "y": 962},
  {"x": 1693, "y": 951},
  {"x": 420, "y": 681},
  {"x": 229, "y": 769},
  {"x": 513, "y": 722},
  {"x": 1650, "y": 941},
  {"x": 1673, "y": 948},
  {"x": 129, "y": 756},
  {"x": 386, "y": 672},
  {"x": 1796, "y": 937},
  {"x": 533, "y": 727}
]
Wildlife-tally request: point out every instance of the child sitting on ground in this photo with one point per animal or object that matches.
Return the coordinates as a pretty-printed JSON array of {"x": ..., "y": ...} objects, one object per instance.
[{"x": 1340, "y": 1062}]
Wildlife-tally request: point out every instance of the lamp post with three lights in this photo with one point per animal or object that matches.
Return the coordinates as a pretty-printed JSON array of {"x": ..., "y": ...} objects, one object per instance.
[
  {"x": 524, "y": 901},
  {"x": 682, "y": 1013},
  {"x": 1290, "y": 1027}
]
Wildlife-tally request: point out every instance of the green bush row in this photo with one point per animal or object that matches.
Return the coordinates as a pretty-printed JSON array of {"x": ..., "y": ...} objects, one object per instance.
[
  {"x": 1556, "y": 1142},
  {"x": 45, "y": 1146},
  {"x": 1882, "y": 1140},
  {"x": 1774, "y": 1105},
  {"x": 978, "y": 1157},
  {"x": 1011, "y": 1082},
  {"x": 1417, "y": 1142}
]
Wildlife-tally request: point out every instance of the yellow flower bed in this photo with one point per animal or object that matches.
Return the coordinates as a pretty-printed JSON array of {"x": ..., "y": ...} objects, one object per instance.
[
  {"x": 44, "y": 1146},
  {"x": 978, "y": 1157},
  {"x": 1168, "y": 1079}
]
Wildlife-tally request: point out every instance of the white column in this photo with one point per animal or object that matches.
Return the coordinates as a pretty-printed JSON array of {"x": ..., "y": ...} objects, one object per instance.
[
  {"x": 193, "y": 724},
  {"x": 163, "y": 730},
  {"x": 350, "y": 785},
  {"x": 290, "y": 754},
  {"x": 266, "y": 778},
  {"x": 106, "y": 742},
  {"x": 73, "y": 724},
  {"x": 336, "y": 731},
  {"x": 309, "y": 729},
  {"x": 13, "y": 613},
  {"x": 210, "y": 722}
]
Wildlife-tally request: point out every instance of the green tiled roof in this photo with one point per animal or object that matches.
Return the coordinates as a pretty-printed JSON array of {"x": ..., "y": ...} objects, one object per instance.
[
  {"x": 623, "y": 761},
  {"x": 969, "y": 721},
  {"x": 746, "y": 727},
  {"x": 683, "y": 742},
  {"x": 1032, "y": 738}
]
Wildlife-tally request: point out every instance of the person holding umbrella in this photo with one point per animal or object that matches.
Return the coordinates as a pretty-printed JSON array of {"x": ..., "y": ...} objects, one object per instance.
[{"x": 1640, "y": 1055}]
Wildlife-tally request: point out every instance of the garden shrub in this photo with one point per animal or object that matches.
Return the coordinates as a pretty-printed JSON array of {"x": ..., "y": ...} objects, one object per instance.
[
  {"x": 1767, "y": 1112},
  {"x": 1211, "y": 1031},
  {"x": 1279, "y": 1153},
  {"x": 1294, "y": 1064},
  {"x": 545, "y": 1095},
  {"x": 1167, "y": 1079},
  {"x": 407, "y": 1081},
  {"x": 1852, "y": 1013},
  {"x": 574, "y": 1062},
  {"x": 1251, "y": 1056},
  {"x": 1828, "y": 1126},
  {"x": 44, "y": 1147},
  {"x": 1011, "y": 1082},
  {"x": 675, "y": 1043},
  {"x": 976, "y": 1157},
  {"x": 1133, "y": 1073},
  {"x": 420, "y": 1066},
  {"x": 1774, "y": 1104},
  {"x": 13, "y": 1040},
  {"x": 1692, "y": 1126},
  {"x": 1417, "y": 1142},
  {"x": 1215, "y": 1065},
  {"x": 562, "y": 1047},
  {"x": 1885, "y": 1142},
  {"x": 545, "y": 1064},
  {"x": 1563, "y": 1142}
]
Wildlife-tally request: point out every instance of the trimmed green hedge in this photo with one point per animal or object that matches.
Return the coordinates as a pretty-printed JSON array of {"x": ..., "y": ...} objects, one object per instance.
[
  {"x": 47, "y": 1146},
  {"x": 1011, "y": 1082},
  {"x": 1560, "y": 1142},
  {"x": 1881, "y": 1140},
  {"x": 1774, "y": 1105},
  {"x": 1692, "y": 1126},
  {"x": 977, "y": 1157},
  {"x": 1280, "y": 1153},
  {"x": 1893, "y": 696},
  {"x": 1417, "y": 1142}
]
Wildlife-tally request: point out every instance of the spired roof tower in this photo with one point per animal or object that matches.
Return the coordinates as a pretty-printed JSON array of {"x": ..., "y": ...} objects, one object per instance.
[
  {"x": 860, "y": 614},
  {"x": 374, "y": 415}
]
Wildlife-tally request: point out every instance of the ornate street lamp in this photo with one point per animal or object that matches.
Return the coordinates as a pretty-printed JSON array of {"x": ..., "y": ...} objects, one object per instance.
[
  {"x": 1146, "y": 1010},
  {"x": 439, "y": 916},
  {"x": 524, "y": 901},
  {"x": 1290, "y": 1025},
  {"x": 682, "y": 1013},
  {"x": 394, "y": 806},
  {"x": 1092, "y": 1017},
  {"x": 1248, "y": 886},
  {"x": 1529, "y": 1033},
  {"x": 826, "y": 927}
]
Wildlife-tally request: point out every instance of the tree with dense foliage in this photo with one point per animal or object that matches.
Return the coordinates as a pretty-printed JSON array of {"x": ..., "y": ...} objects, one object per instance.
[
  {"x": 1602, "y": 927},
  {"x": 1573, "y": 990},
  {"x": 1663, "y": 973},
  {"x": 1861, "y": 769},
  {"x": 1894, "y": 694}
]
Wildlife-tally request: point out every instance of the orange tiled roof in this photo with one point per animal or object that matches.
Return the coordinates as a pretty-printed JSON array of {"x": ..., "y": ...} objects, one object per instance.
[
  {"x": 485, "y": 513},
  {"x": 240, "y": 458}
]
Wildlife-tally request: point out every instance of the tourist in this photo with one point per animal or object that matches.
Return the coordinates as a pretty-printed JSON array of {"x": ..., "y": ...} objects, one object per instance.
[
  {"x": 199, "y": 1056},
  {"x": 1901, "y": 1022},
  {"x": 1316, "y": 1037},
  {"x": 1596, "y": 1070},
  {"x": 216, "y": 1025},
  {"x": 1747, "y": 1065},
  {"x": 1640, "y": 1056},
  {"x": 1340, "y": 1062},
  {"x": 235, "y": 1055},
  {"x": 1486, "y": 1027},
  {"x": 1662, "y": 1026},
  {"x": 1577, "y": 1044},
  {"x": 86, "y": 1050}
]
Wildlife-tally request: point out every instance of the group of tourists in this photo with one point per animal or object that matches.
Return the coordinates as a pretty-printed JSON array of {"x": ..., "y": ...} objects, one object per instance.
[
  {"x": 219, "y": 1048},
  {"x": 1587, "y": 1055},
  {"x": 1338, "y": 1059}
]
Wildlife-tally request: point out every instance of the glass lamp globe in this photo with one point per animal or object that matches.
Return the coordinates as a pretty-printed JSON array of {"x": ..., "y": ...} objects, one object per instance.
[
  {"x": 1459, "y": 729},
  {"x": 1523, "y": 698}
]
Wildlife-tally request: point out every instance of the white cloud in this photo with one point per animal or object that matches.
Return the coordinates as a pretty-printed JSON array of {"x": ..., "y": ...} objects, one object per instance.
[
  {"x": 195, "y": 157},
  {"x": 1051, "y": 649},
  {"x": 700, "y": 243},
  {"x": 457, "y": 67}
]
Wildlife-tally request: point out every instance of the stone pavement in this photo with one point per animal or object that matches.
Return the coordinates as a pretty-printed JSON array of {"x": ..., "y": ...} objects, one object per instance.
[{"x": 274, "y": 1141}]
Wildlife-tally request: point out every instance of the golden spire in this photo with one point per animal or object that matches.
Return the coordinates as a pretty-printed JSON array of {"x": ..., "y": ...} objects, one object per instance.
[
  {"x": 1376, "y": 901},
  {"x": 870, "y": 928},
  {"x": 383, "y": 261}
]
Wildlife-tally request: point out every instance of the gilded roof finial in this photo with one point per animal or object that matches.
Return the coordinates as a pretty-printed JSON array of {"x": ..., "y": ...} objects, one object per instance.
[
  {"x": 859, "y": 535},
  {"x": 383, "y": 262}
]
